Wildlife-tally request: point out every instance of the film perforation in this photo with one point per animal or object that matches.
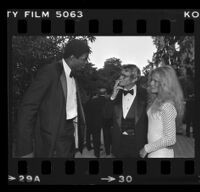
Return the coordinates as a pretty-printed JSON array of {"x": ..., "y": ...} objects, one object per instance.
[
  {"x": 46, "y": 167},
  {"x": 189, "y": 26},
  {"x": 165, "y": 167},
  {"x": 117, "y": 26},
  {"x": 70, "y": 167},
  {"x": 141, "y": 26},
  {"x": 117, "y": 167},
  {"x": 69, "y": 26},
  {"x": 189, "y": 167},
  {"x": 93, "y": 167},
  {"x": 22, "y": 26},
  {"x": 141, "y": 167},
  {"x": 93, "y": 26},
  {"x": 46, "y": 26},
  {"x": 165, "y": 26},
  {"x": 22, "y": 167}
]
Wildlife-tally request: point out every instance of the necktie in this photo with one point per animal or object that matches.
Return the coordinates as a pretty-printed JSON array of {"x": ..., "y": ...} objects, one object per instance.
[{"x": 129, "y": 91}]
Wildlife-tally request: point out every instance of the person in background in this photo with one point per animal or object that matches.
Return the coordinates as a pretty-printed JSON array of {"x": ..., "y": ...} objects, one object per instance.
[
  {"x": 94, "y": 111},
  {"x": 107, "y": 124}
]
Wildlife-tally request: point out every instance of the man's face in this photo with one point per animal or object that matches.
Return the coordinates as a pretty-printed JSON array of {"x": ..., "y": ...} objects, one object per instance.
[
  {"x": 125, "y": 78},
  {"x": 79, "y": 63}
]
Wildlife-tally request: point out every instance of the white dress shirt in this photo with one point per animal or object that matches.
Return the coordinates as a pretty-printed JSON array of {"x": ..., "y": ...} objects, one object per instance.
[
  {"x": 71, "y": 104},
  {"x": 127, "y": 101}
]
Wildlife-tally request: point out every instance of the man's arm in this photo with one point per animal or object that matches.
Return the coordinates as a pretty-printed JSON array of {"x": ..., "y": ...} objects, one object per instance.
[{"x": 28, "y": 111}]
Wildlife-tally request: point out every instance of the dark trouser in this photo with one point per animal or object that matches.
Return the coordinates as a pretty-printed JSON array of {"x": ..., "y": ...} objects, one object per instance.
[
  {"x": 96, "y": 136},
  {"x": 107, "y": 136},
  {"x": 65, "y": 144},
  {"x": 128, "y": 146},
  {"x": 88, "y": 138}
]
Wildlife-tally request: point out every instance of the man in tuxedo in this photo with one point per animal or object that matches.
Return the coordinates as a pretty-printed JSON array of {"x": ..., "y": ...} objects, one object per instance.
[
  {"x": 51, "y": 120},
  {"x": 129, "y": 131}
]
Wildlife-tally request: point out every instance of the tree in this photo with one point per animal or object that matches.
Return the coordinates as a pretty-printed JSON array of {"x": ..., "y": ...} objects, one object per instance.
[
  {"x": 177, "y": 51},
  {"x": 109, "y": 73}
]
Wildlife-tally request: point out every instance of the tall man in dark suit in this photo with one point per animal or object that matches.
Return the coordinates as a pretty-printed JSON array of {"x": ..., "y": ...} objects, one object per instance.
[
  {"x": 129, "y": 131},
  {"x": 51, "y": 108}
]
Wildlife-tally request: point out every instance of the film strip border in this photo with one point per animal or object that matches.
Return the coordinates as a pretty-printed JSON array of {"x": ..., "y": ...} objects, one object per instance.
[
  {"x": 106, "y": 22},
  {"x": 103, "y": 171}
]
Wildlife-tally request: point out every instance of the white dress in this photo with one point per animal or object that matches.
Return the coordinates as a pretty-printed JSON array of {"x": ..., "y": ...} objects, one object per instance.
[{"x": 161, "y": 131}]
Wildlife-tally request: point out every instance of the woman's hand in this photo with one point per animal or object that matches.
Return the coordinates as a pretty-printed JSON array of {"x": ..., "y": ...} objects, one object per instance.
[{"x": 143, "y": 153}]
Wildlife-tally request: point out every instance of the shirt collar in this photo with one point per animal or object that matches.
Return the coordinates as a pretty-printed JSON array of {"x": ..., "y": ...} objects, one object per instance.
[{"x": 66, "y": 68}]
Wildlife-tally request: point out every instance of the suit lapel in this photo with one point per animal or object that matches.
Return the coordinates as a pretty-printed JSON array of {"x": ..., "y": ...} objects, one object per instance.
[
  {"x": 62, "y": 77},
  {"x": 137, "y": 106},
  {"x": 79, "y": 103},
  {"x": 118, "y": 109},
  {"x": 64, "y": 84}
]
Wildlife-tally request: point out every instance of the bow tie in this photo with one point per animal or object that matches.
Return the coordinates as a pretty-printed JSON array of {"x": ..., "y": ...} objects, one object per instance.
[{"x": 129, "y": 91}]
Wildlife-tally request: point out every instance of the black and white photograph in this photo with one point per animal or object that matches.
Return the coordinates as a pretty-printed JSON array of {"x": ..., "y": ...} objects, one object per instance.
[{"x": 102, "y": 97}]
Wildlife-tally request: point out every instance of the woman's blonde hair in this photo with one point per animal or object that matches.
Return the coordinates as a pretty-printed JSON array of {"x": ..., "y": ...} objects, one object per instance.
[{"x": 169, "y": 90}]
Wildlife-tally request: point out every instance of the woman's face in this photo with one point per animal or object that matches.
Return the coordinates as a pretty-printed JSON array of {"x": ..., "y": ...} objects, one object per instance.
[{"x": 154, "y": 83}]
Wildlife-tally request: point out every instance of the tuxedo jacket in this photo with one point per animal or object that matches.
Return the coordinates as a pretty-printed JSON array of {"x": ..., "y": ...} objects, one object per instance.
[
  {"x": 138, "y": 107},
  {"x": 43, "y": 113}
]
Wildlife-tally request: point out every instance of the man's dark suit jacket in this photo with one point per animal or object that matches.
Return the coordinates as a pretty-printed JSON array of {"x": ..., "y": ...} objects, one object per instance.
[
  {"x": 141, "y": 120},
  {"x": 43, "y": 113}
]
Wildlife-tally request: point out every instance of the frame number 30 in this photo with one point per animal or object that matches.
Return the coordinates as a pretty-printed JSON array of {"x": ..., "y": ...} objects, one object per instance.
[{"x": 125, "y": 179}]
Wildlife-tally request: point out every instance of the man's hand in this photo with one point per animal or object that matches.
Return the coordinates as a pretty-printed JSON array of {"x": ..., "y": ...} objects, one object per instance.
[
  {"x": 116, "y": 86},
  {"x": 143, "y": 153},
  {"x": 30, "y": 155},
  {"x": 116, "y": 89}
]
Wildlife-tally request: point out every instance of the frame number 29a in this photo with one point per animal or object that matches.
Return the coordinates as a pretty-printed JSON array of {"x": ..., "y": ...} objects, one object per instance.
[{"x": 29, "y": 178}]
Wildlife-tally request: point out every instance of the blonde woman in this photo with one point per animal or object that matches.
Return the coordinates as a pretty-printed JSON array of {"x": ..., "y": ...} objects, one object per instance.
[{"x": 165, "y": 110}]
